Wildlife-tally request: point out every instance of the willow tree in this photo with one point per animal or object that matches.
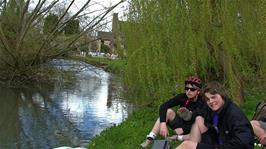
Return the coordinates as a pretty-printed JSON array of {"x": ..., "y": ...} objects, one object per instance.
[
  {"x": 215, "y": 39},
  {"x": 25, "y": 45}
]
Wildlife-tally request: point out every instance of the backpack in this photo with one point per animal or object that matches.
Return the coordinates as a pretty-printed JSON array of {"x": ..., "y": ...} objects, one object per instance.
[{"x": 260, "y": 112}]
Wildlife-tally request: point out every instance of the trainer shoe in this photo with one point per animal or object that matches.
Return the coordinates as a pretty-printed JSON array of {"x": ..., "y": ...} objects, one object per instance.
[{"x": 146, "y": 143}]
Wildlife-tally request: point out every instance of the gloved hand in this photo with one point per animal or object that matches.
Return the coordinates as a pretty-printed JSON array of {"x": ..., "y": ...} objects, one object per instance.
[{"x": 185, "y": 114}]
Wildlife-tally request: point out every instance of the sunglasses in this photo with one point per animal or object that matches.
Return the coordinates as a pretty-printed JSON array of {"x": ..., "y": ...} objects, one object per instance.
[{"x": 191, "y": 89}]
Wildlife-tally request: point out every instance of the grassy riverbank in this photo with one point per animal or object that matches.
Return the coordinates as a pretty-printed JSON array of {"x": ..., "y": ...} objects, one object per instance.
[
  {"x": 114, "y": 66},
  {"x": 132, "y": 132}
]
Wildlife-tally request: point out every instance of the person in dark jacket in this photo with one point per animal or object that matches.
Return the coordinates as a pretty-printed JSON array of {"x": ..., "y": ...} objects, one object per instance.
[
  {"x": 223, "y": 123},
  {"x": 188, "y": 102}
]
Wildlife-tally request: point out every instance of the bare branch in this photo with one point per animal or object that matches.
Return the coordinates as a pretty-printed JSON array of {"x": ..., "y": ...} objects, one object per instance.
[
  {"x": 61, "y": 18},
  {"x": 96, "y": 23},
  {"x": 4, "y": 3},
  {"x": 3, "y": 60},
  {"x": 75, "y": 15},
  {"x": 56, "y": 27},
  {"x": 1, "y": 3},
  {"x": 5, "y": 43},
  {"x": 45, "y": 11},
  {"x": 22, "y": 23}
]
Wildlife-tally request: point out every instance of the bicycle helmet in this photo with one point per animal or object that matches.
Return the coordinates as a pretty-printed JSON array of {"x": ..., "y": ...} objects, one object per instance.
[{"x": 193, "y": 80}]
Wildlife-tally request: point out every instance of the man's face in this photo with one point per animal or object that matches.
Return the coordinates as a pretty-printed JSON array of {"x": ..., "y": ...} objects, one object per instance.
[
  {"x": 191, "y": 91},
  {"x": 215, "y": 102}
]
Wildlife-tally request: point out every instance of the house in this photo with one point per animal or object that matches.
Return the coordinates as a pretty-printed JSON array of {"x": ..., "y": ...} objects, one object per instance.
[
  {"x": 106, "y": 38},
  {"x": 115, "y": 39}
]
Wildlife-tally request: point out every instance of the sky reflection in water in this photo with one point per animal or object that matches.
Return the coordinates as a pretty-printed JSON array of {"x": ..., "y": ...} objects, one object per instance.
[{"x": 63, "y": 115}]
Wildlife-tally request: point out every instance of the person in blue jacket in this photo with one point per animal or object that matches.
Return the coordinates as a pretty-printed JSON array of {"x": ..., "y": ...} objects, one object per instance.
[
  {"x": 188, "y": 103},
  {"x": 221, "y": 126}
]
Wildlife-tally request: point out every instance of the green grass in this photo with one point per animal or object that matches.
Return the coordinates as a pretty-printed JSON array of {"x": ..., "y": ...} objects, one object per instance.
[
  {"x": 129, "y": 134},
  {"x": 252, "y": 99}
]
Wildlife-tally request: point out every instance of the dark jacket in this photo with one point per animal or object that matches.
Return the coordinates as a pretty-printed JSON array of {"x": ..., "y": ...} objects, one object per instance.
[
  {"x": 181, "y": 100},
  {"x": 234, "y": 129}
]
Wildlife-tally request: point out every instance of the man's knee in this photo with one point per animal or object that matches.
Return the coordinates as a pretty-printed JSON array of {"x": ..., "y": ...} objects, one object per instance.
[
  {"x": 200, "y": 123},
  {"x": 199, "y": 119},
  {"x": 170, "y": 114}
]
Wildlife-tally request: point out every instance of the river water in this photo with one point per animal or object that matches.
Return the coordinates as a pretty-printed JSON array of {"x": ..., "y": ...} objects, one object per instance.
[{"x": 67, "y": 113}]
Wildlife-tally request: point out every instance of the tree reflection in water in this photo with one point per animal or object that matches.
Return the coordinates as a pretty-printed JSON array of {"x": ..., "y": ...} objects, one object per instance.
[{"x": 69, "y": 114}]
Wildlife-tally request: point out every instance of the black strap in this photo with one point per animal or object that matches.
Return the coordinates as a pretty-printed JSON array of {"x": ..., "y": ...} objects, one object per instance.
[{"x": 166, "y": 145}]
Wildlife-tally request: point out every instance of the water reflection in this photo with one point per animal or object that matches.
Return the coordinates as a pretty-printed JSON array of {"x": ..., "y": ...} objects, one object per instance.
[{"x": 69, "y": 114}]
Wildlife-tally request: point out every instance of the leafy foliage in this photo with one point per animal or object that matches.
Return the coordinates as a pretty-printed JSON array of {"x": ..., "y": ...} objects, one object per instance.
[
  {"x": 72, "y": 27},
  {"x": 49, "y": 23},
  {"x": 217, "y": 40}
]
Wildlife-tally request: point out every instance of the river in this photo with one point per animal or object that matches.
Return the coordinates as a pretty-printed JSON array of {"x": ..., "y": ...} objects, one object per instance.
[{"x": 67, "y": 113}]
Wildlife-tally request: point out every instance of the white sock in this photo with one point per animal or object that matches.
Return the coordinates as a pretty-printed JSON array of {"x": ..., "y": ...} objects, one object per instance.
[
  {"x": 179, "y": 137},
  {"x": 151, "y": 135}
]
